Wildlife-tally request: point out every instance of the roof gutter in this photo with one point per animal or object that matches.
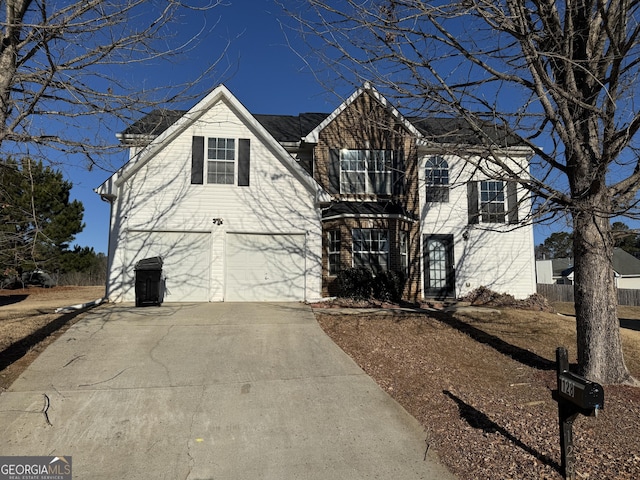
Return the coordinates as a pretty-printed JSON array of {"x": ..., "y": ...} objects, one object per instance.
[{"x": 396, "y": 216}]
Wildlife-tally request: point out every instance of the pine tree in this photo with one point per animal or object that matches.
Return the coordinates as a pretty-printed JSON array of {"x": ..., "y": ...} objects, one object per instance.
[{"x": 37, "y": 218}]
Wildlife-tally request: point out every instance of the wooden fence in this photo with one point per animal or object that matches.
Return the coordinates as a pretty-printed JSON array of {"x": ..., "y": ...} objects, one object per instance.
[{"x": 564, "y": 293}]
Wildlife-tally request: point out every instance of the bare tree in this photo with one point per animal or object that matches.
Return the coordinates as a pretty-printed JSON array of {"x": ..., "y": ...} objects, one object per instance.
[
  {"x": 67, "y": 65},
  {"x": 561, "y": 74},
  {"x": 73, "y": 72}
]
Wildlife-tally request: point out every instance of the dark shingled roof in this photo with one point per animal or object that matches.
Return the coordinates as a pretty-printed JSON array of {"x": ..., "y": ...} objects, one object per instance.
[
  {"x": 155, "y": 122},
  {"x": 366, "y": 208},
  {"x": 458, "y": 131},
  {"x": 624, "y": 264},
  {"x": 292, "y": 128},
  {"x": 559, "y": 265}
]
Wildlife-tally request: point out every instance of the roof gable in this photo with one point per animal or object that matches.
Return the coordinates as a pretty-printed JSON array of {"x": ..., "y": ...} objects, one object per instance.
[
  {"x": 312, "y": 137},
  {"x": 169, "y": 124}
]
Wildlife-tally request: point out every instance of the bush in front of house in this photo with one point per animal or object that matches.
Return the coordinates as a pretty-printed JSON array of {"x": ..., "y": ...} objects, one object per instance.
[
  {"x": 355, "y": 283},
  {"x": 388, "y": 286},
  {"x": 358, "y": 283}
]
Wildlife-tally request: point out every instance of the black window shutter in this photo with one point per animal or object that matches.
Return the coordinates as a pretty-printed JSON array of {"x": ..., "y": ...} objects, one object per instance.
[
  {"x": 197, "y": 160},
  {"x": 244, "y": 161},
  {"x": 472, "y": 203},
  {"x": 334, "y": 170},
  {"x": 512, "y": 202}
]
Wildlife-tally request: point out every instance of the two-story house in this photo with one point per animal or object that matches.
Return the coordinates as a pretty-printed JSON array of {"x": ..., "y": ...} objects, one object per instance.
[{"x": 272, "y": 207}]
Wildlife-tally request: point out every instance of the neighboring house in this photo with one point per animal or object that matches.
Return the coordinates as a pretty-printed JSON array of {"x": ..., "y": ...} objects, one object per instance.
[
  {"x": 272, "y": 207},
  {"x": 550, "y": 271},
  {"x": 626, "y": 270}
]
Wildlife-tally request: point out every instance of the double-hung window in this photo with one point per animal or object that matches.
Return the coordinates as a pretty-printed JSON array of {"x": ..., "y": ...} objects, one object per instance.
[
  {"x": 492, "y": 201},
  {"x": 366, "y": 171},
  {"x": 437, "y": 180},
  {"x": 222, "y": 161},
  {"x": 371, "y": 249},
  {"x": 221, "y": 157}
]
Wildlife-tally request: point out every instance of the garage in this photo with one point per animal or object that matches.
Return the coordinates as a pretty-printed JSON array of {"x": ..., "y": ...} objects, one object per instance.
[
  {"x": 265, "y": 267},
  {"x": 185, "y": 258}
]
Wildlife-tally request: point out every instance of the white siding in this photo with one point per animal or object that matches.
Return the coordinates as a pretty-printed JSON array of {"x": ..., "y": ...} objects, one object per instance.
[
  {"x": 632, "y": 283},
  {"x": 544, "y": 271},
  {"x": 185, "y": 255},
  {"x": 497, "y": 256},
  {"x": 159, "y": 197}
]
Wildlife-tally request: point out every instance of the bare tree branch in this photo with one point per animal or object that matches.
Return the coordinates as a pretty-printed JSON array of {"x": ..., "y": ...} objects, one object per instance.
[
  {"x": 70, "y": 61},
  {"x": 563, "y": 75}
]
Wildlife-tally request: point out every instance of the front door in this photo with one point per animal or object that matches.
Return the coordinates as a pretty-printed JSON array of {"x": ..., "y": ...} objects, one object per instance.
[{"x": 439, "y": 274}]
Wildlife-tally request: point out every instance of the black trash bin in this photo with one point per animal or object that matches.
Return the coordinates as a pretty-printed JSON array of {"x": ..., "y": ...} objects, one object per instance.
[{"x": 149, "y": 282}]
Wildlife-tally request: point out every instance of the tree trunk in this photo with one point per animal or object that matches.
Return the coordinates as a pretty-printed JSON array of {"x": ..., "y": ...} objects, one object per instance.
[{"x": 600, "y": 356}]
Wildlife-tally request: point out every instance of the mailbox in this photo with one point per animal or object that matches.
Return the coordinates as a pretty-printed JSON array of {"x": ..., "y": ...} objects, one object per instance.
[
  {"x": 584, "y": 394},
  {"x": 576, "y": 395}
]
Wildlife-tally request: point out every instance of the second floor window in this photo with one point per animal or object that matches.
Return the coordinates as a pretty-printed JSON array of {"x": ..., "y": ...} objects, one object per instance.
[
  {"x": 492, "y": 202},
  {"x": 437, "y": 180},
  {"x": 221, "y": 156},
  {"x": 366, "y": 171}
]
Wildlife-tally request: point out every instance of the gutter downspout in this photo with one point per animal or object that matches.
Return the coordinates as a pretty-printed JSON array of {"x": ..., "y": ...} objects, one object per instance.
[{"x": 109, "y": 198}]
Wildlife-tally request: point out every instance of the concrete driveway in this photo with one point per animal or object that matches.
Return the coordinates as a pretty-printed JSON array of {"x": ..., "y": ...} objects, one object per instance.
[{"x": 209, "y": 391}]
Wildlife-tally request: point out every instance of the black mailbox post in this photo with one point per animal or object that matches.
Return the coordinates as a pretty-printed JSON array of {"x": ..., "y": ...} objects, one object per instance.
[
  {"x": 149, "y": 282},
  {"x": 576, "y": 395}
]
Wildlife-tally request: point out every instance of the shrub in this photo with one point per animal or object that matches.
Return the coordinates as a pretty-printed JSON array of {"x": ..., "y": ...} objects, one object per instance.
[
  {"x": 354, "y": 283},
  {"x": 388, "y": 286}
]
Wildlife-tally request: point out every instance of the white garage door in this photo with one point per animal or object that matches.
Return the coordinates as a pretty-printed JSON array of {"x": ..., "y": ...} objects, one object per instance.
[
  {"x": 185, "y": 258},
  {"x": 265, "y": 267}
]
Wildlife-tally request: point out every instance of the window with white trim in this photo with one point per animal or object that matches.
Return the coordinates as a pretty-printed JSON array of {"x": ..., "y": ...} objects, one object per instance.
[
  {"x": 437, "y": 180},
  {"x": 492, "y": 201},
  {"x": 404, "y": 252},
  {"x": 221, "y": 156},
  {"x": 334, "y": 252},
  {"x": 366, "y": 171},
  {"x": 371, "y": 249}
]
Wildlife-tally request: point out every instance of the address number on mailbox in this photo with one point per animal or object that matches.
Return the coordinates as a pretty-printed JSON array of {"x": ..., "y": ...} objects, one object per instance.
[{"x": 567, "y": 387}]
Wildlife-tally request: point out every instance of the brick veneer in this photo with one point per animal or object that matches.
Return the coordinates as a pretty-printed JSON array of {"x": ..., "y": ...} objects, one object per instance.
[{"x": 366, "y": 124}]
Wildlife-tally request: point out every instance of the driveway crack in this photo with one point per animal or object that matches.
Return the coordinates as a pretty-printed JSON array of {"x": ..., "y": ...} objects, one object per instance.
[
  {"x": 190, "y": 438},
  {"x": 152, "y": 355},
  {"x": 105, "y": 381}
]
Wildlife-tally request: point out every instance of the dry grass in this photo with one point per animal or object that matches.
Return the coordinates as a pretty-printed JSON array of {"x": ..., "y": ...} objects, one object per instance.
[
  {"x": 28, "y": 323},
  {"x": 481, "y": 384}
]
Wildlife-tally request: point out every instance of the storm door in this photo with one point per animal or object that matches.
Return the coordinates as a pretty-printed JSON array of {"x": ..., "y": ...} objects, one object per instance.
[{"x": 439, "y": 273}]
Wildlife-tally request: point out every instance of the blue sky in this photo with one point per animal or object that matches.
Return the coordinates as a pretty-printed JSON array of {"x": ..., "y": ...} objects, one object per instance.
[{"x": 263, "y": 72}]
